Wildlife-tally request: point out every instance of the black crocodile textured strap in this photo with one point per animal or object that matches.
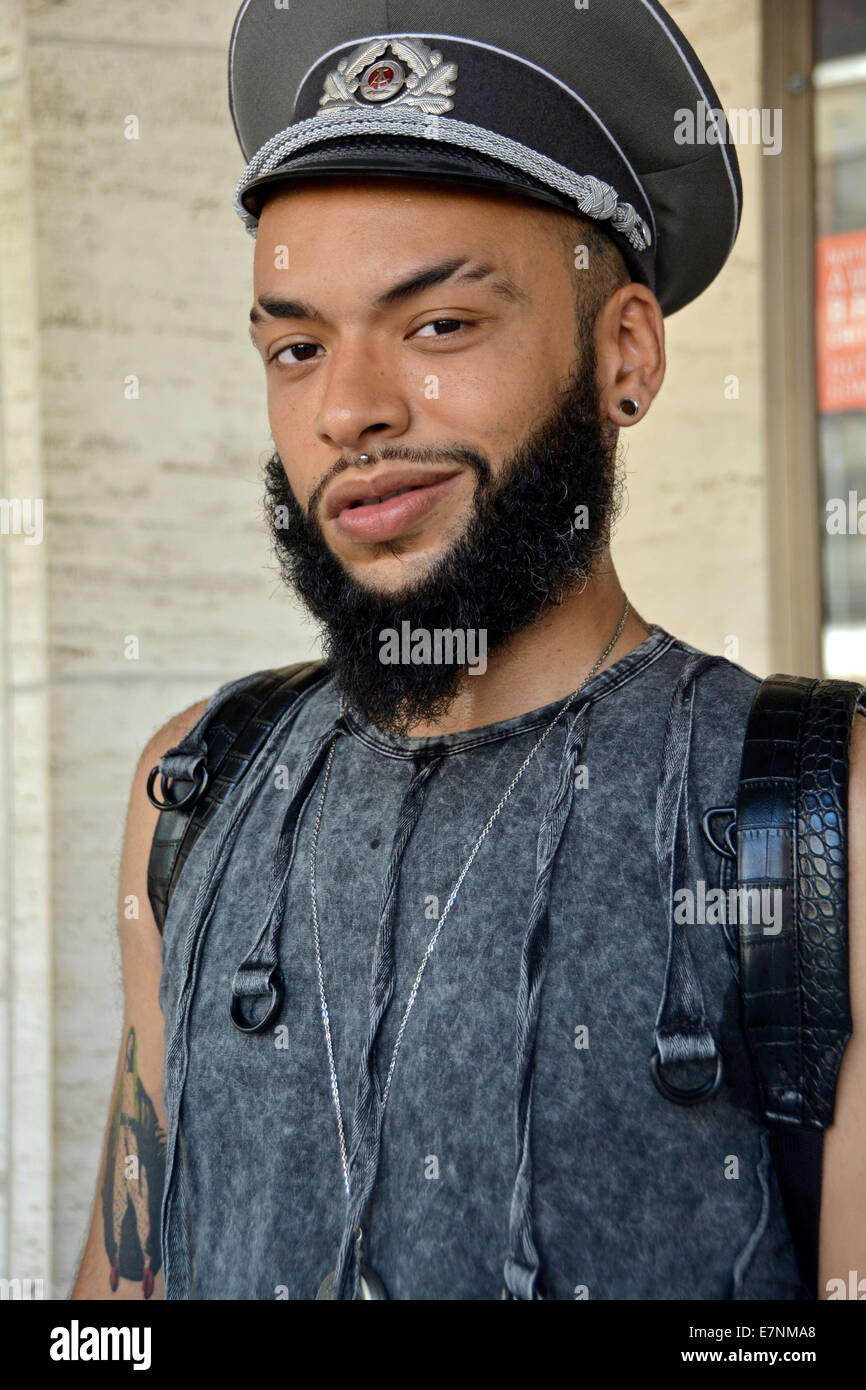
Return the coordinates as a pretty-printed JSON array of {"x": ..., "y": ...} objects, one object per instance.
[
  {"x": 232, "y": 738},
  {"x": 822, "y": 892},
  {"x": 792, "y": 837}
]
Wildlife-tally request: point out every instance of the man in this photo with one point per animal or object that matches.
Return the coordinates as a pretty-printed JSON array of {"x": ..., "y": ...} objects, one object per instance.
[{"x": 433, "y": 983}]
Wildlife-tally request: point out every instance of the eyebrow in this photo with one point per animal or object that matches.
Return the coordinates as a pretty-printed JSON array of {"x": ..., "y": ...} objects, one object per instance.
[{"x": 424, "y": 279}]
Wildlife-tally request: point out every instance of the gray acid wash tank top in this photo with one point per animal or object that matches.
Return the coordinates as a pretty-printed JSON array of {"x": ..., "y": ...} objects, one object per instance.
[{"x": 525, "y": 1147}]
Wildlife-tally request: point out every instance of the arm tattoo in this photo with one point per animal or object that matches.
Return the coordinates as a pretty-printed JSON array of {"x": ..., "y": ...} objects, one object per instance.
[{"x": 134, "y": 1179}]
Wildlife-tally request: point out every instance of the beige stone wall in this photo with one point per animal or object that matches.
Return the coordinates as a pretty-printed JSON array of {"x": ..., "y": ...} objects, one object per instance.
[
  {"x": 153, "y": 525},
  {"x": 692, "y": 548},
  {"x": 26, "y": 1088}
]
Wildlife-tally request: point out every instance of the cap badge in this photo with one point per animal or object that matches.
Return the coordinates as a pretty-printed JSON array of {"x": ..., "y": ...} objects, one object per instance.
[{"x": 398, "y": 72}]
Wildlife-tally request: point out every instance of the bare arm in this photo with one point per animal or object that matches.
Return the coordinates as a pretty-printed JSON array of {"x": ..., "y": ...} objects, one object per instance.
[
  {"x": 843, "y": 1193},
  {"x": 122, "y": 1257}
]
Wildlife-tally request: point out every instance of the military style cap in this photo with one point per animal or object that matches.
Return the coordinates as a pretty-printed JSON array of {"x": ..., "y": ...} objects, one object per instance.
[{"x": 579, "y": 107}]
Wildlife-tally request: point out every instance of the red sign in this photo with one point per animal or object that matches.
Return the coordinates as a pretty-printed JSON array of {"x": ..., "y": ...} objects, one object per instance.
[{"x": 840, "y": 321}]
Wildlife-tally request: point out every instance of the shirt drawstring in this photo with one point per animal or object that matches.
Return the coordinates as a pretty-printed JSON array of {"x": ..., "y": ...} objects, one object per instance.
[
  {"x": 522, "y": 1264},
  {"x": 258, "y": 975},
  {"x": 682, "y": 1033}
]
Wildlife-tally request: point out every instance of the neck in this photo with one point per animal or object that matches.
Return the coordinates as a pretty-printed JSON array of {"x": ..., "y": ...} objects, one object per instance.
[{"x": 547, "y": 660}]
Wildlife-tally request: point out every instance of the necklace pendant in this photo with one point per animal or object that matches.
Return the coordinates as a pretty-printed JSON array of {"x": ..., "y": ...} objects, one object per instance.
[{"x": 372, "y": 1287}]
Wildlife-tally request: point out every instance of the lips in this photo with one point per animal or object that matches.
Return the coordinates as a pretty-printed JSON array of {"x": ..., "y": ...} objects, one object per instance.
[
  {"x": 386, "y": 504},
  {"x": 351, "y": 491}
]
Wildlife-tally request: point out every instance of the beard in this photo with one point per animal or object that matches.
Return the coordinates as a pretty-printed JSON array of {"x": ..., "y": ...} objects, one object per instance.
[{"x": 533, "y": 536}]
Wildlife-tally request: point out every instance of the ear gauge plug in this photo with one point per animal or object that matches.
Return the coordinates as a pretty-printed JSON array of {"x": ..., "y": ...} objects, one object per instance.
[{"x": 629, "y": 406}]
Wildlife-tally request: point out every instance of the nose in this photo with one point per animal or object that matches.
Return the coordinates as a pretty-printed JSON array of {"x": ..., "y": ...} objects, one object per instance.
[{"x": 362, "y": 400}]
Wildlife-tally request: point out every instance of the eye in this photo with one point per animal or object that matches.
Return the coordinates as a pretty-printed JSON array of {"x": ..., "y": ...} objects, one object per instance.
[
  {"x": 441, "y": 328},
  {"x": 308, "y": 349}
]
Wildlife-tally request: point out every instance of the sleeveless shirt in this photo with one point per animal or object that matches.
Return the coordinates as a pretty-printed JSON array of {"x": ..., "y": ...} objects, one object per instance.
[{"x": 524, "y": 1144}]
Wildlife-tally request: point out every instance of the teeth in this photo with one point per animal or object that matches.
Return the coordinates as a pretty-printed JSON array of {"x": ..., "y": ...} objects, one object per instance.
[{"x": 374, "y": 501}]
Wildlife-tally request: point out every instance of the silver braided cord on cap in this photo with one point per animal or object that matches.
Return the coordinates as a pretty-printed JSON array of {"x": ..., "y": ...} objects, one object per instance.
[{"x": 593, "y": 197}]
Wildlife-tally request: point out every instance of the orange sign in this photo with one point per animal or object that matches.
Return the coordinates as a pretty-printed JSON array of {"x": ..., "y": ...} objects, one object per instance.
[{"x": 840, "y": 321}]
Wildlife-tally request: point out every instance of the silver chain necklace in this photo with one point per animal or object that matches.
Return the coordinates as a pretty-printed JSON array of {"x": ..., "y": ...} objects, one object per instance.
[{"x": 371, "y": 1286}]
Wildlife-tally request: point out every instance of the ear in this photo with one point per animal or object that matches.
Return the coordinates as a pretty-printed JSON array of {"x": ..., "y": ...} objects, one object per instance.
[{"x": 630, "y": 353}]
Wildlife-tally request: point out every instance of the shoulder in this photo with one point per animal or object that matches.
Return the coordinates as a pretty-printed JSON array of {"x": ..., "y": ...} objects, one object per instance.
[
  {"x": 141, "y": 816},
  {"x": 170, "y": 733},
  {"x": 723, "y": 694},
  {"x": 237, "y": 701},
  {"x": 167, "y": 736},
  {"x": 247, "y": 705},
  {"x": 716, "y": 673}
]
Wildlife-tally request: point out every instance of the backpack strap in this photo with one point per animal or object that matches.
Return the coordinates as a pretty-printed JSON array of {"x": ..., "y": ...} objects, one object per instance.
[
  {"x": 792, "y": 838},
  {"x": 206, "y": 766}
]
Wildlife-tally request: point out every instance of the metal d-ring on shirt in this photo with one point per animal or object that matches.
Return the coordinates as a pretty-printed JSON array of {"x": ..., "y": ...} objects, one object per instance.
[{"x": 373, "y": 1099}]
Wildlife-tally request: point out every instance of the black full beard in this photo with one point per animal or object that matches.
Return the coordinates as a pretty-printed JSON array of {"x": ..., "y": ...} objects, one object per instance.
[{"x": 520, "y": 553}]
